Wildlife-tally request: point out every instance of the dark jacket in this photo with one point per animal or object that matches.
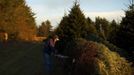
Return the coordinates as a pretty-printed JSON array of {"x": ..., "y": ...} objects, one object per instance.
[{"x": 48, "y": 48}]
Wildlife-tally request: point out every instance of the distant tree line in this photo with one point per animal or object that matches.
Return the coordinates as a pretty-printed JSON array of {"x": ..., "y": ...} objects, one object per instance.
[
  {"x": 44, "y": 29},
  {"x": 75, "y": 25}
]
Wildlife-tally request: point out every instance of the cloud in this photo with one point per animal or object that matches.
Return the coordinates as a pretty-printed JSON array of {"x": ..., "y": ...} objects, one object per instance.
[
  {"x": 43, "y": 13},
  {"x": 53, "y": 10},
  {"x": 110, "y": 15}
]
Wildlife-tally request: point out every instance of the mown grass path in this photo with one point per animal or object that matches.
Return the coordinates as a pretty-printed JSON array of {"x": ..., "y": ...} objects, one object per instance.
[{"x": 23, "y": 58}]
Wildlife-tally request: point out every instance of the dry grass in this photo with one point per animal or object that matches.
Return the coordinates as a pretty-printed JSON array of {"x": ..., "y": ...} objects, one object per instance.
[
  {"x": 111, "y": 63},
  {"x": 96, "y": 59}
]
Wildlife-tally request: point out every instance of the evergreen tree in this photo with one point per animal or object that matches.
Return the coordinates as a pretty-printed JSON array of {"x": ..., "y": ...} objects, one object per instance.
[
  {"x": 42, "y": 29},
  {"x": 75, "y": 25},
  {"x": 91, "y": 26},
  {"x": 72, "y": 26},
  {"x": 45, "y": 28},
  {"x": 102, "y": 26},
  {"x": 125, "y": 35},
  {"x": 17, "y": 19},
  {"x": 61, "y": 30},
  {"x": 113, "y": 28}
]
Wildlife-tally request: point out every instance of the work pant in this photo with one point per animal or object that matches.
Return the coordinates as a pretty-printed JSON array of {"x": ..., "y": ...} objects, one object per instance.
[{"x": 48, "y": 64}]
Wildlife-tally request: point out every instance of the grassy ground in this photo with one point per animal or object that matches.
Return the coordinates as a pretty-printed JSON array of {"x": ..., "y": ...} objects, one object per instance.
[{"x": 23, "y": 58}]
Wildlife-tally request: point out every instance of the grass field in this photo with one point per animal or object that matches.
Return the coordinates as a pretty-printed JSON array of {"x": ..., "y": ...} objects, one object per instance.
[{"x": 23, "y": 58}]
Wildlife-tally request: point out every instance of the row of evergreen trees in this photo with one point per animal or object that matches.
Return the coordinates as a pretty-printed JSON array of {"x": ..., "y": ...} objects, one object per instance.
[
  {"x": 99, "y": 57},
  {"x": 18, "y": 21},
  {"x": 76, "y": 25},
  {"x": 44, "y": 29},
  {"x": 124, "y": 37}
]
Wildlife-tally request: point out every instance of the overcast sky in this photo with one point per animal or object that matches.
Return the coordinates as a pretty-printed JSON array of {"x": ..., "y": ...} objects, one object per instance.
[{"x": 54, "y": 10}]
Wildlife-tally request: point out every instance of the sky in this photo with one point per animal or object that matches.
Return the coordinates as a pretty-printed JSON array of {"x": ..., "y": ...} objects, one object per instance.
[{"x": 54, "y": 10}]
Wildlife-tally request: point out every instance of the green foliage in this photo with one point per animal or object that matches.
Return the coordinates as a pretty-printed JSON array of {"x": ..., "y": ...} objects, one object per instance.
[
  {"x": 91, "y": 26},
  {"x": 102, "y": 26},
  {"x": 125, "y": 37},
  {"x": 75, "y": 25},
  {"x": 73, "y": 48},
  {"x": 113, "y": 29},
  {"x": 61, "y": 30}
]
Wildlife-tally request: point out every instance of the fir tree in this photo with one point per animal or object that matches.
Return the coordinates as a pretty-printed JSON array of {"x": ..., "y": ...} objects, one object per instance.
[
  {"x": 17, "y": 19},
  {"x": 125, "y": 35},
  {"x": 102, "y": 26},
  {"x": 61, "y": 30},
  {"x": 91, "y": 26},
  {"x": 72, "y": 26},
  {"x": 45, "y": 28},
  {"x": 113, "y": 28},
  {"x": 75, "y": 25}
]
